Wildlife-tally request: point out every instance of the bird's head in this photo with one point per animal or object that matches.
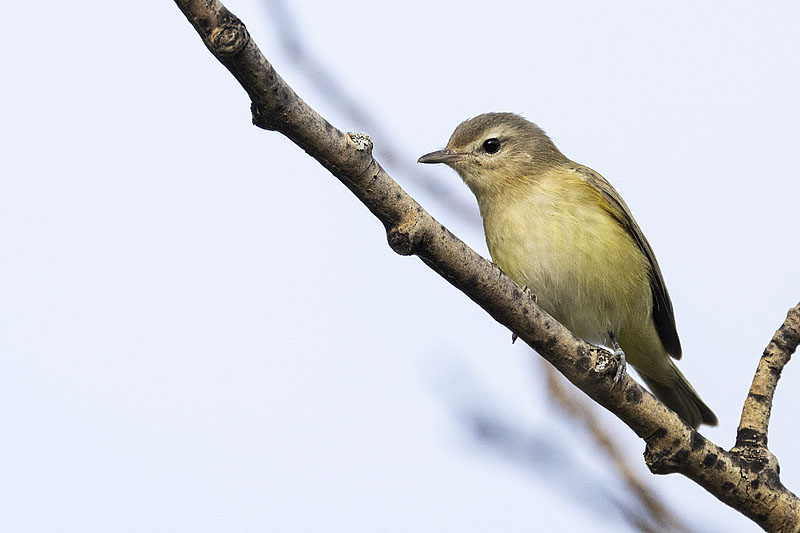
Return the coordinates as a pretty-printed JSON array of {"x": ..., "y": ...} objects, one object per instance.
[{"x": 495, "y": 151}]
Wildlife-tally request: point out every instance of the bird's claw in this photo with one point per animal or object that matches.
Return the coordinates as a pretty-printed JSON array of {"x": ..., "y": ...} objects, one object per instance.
[
  {"x": 532, "y": 296},
  {"x": 622, "y": 366},
  {"x": 621, "y": 363}
]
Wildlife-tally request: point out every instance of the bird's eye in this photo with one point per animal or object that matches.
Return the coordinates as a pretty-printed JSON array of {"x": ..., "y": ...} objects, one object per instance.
[{"x": 491, "y": 146}]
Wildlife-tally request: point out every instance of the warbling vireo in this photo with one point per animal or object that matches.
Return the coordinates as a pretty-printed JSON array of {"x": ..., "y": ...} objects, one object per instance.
[{"x": 561, "y": 229}]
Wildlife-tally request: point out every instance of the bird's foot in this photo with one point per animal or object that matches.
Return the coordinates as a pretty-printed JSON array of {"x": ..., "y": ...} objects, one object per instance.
[
  {"x": 621, "y": 363},
  {"x": 532, "y": 296}
]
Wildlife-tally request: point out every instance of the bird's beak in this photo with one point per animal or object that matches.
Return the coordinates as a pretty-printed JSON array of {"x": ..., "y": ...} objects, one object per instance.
[{"x": 441, "y": 156}]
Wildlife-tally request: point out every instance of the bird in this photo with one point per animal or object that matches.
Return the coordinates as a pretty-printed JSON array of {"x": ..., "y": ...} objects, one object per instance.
[{"x": 559, "y": 229}]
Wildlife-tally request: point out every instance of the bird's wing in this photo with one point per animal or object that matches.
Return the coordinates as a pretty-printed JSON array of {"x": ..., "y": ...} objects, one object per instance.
[{"x": 663, "y": 315}]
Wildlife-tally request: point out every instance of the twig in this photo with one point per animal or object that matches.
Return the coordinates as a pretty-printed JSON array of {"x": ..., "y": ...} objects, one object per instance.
[{"x": 754, "y": 423}]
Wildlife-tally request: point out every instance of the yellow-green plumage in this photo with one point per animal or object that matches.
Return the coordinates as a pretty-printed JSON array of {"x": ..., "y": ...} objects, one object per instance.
[{"x": 561, "y": 229}]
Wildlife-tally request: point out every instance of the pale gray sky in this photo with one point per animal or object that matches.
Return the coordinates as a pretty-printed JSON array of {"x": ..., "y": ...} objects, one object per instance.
[{"x": 202, "y": 330}]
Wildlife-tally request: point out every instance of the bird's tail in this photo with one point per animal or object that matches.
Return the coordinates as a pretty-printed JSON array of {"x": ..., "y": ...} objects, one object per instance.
[{"x": 681, "y": 397}]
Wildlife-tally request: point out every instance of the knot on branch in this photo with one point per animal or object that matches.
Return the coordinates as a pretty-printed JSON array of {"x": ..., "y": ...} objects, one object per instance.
[
  {"x": 667, "y": 457},
  {"x": 362, "y": 141},
  {"x": 667, "y": 461},
  {"x": 228, "y": 40},
  {"x": 263, "y": 117},
  {"x": 405, "y": 236}
]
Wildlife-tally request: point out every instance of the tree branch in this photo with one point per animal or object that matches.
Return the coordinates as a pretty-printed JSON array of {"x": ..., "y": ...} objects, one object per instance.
[
  {"x": 754, "y": 423},
  {"x": 754, "y": 489}
]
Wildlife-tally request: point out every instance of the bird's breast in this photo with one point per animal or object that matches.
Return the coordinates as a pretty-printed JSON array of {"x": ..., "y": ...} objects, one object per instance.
[{"x": 575, "y": 258}]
